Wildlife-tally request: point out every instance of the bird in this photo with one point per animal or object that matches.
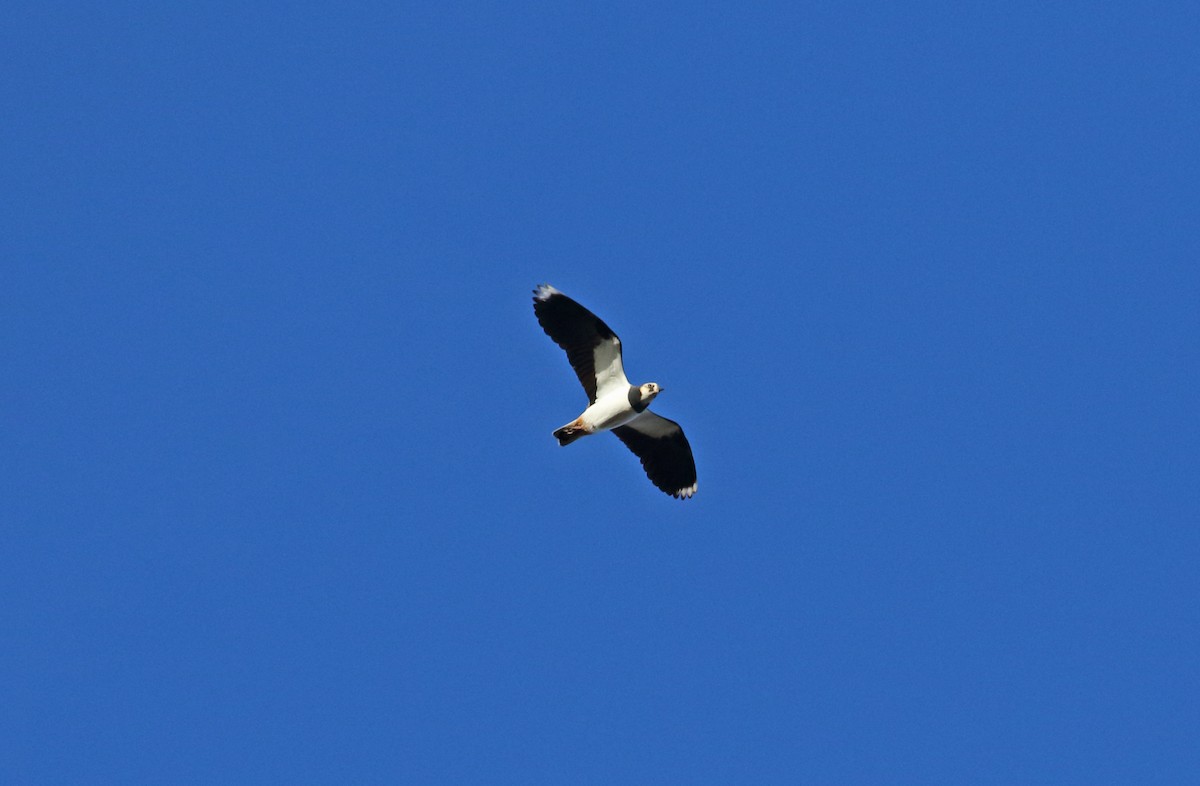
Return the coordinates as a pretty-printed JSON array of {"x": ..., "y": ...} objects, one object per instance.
[{"x": 614, "y": 404}]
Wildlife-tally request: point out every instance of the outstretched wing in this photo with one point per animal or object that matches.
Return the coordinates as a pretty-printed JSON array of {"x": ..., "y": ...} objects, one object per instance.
[
  {"x": 664, "y": 450},
  {"x": 593, "y": 349}
]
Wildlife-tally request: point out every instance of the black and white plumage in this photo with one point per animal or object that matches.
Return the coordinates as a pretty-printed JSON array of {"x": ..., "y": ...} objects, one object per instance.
[{"x": 614, "y": 405}]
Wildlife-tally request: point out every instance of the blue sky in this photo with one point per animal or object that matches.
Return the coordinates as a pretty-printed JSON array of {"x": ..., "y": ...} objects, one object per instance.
[{"x": 280, "y": 502}]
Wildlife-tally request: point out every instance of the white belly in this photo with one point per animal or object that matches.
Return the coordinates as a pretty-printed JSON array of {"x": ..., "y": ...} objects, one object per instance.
[{"x": 609, "y": 412}]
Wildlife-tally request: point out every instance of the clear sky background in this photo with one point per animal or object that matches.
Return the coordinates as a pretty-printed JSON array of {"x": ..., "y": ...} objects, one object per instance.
[{"x": 279, "y": 498}]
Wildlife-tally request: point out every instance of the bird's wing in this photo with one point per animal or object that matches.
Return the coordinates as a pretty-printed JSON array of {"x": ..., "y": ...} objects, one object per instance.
[
  {"x": 664, "y": 450},
  {"x": 591, "y": 346}
]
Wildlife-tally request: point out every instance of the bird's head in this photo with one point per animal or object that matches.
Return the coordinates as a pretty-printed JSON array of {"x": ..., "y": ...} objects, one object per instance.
[{"x": 649, "y": 391}]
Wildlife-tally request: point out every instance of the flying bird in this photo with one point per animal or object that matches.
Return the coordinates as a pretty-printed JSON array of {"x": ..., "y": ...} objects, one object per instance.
[{"x": 613, "y": 403}]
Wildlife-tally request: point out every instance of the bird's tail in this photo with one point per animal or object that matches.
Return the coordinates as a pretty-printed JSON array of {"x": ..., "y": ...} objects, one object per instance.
[{"x": 570, "y": 432}]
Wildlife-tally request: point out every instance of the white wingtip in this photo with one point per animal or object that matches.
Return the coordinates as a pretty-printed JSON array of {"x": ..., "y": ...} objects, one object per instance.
[
  {"x": 544, "y": 291},
  {"x": 685, "y": 493}
]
